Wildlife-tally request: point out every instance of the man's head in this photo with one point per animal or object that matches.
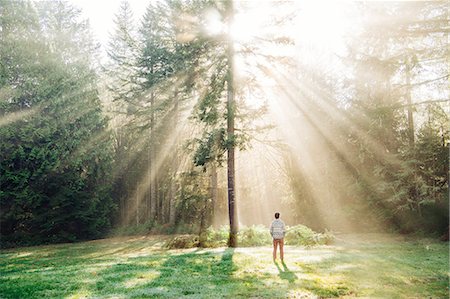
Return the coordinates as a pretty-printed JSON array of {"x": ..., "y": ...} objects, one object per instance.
[{"x": 277, "y": 215}]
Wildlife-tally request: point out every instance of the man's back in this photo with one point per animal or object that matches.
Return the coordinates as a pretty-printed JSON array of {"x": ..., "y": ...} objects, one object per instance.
[{"x": 277, "y": 229}]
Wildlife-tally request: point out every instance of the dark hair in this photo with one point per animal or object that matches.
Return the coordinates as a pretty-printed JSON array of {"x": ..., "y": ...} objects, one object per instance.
[{"x": 277, "y": 215}]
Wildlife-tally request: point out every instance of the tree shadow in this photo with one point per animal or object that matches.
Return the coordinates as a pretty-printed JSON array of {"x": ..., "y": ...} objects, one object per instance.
[
  {"x": 285, "y": 273},
  {"x": 194, "y": 274},
  {"x": 173, "y": 275}
]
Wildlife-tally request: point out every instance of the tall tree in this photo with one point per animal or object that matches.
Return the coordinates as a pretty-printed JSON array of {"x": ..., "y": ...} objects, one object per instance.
[
  {"x": 232, "y": 242},
  {"x": 155, "y": 64},
  {"x": 121, "y": 81}
]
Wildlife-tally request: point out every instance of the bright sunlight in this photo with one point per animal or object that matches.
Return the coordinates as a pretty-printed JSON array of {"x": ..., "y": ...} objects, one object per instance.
[{"x": 224, "y": 149}]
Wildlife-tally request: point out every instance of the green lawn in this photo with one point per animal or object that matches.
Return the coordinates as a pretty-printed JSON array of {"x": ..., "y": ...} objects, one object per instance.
[{"x": 380, "y": 266}]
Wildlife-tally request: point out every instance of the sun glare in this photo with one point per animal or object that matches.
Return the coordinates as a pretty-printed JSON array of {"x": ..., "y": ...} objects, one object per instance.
[
  {"x": 322, "y": 27},
  {"x": 213, "y": 23},
  {"x": 315, "y": 31},
  {"x": 249, "y": 20}
]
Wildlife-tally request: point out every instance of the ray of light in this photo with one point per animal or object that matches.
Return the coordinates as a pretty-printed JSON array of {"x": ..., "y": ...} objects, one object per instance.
[
  {"x": 310, "y": 154},
  {"x": 12, "y": 117},
  {"x": 321, "y": 138}
]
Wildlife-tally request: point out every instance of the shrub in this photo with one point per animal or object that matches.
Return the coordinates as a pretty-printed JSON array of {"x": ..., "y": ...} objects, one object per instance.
[
  {"x": 258, "y": 235},
  {"x": 255, "y": 235},
  {"x": 183, "y": 241},
  {"x": 303, "y": 235},
  {"x": 216, "y": 238}
]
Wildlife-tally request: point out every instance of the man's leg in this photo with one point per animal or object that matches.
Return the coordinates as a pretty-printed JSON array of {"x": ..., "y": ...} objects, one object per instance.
[
  {"x": 274, "y": 249},
  {"x": 281, "y": 242}
]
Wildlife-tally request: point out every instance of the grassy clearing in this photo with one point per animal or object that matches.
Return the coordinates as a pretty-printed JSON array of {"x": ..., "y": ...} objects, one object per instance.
[{"x": 139, "y": 267}]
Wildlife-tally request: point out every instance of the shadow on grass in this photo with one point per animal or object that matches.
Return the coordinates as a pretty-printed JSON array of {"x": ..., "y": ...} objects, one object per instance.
[
  {"x": 285, "y": 273},
  {"x": 138, "y": 268},
  {"x": 198, "y": 274},
  {"x": 193, "y": 274},
  {"x": 51, "y": 271}
]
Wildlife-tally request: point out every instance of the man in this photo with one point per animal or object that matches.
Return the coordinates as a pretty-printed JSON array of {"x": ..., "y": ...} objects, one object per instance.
[{"x": 277, "y": 230}]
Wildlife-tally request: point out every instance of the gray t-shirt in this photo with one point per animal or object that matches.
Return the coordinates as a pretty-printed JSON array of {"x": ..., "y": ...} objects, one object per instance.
[{"x": 277, "y": 229}]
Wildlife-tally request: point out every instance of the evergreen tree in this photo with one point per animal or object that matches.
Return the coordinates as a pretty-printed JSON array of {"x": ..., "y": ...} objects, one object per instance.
[
  {"x": 56, "y": 155},
  {"x": 121, "y": 75}
]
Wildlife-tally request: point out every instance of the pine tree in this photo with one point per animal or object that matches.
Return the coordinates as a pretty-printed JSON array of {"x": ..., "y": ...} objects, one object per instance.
[{"x": 56, "y": 157}]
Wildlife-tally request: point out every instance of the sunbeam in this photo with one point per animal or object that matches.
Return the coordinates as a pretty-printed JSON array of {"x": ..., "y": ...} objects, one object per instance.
[
  {"x": 207, "y": 119},
  {"x": 12, "y": 117}
]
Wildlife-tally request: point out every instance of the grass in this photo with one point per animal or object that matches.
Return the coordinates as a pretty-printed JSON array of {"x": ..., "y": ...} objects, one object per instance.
[{"x": 381, "y": 266}]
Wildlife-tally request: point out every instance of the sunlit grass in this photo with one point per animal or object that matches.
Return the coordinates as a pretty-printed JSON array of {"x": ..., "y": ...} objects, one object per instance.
[{"x": 139, "y": 267}]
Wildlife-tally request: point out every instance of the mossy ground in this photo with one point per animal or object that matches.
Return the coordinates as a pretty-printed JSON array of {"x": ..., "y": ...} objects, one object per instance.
[{"x": 382, "y": 266}]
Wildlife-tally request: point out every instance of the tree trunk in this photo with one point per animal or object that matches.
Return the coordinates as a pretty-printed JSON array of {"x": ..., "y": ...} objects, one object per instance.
[
  {"x": 148, "y": 199},
  {"x": 152, "y": 160},
  {"x": 202, "y": 232},
  {"x": 172, "y": 203},
  {"x": 232, "y": 241},
  {"x": 213, "y": 192},
  {"x": 409, "y": 104},
  {"x": 137, "y": 205},
  {"x": 172, "y": 195},
  {"x": 159, "y": 205}
]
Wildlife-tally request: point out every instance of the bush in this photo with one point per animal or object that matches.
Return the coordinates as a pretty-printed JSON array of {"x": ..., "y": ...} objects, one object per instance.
[
  {"x": 255, "y": 235},
  {"x": 303, "y": 235},
  {"x": 183, "y": 241},
  {"x": 259, "y": 235},
  {"x": 216, "y": 238}
]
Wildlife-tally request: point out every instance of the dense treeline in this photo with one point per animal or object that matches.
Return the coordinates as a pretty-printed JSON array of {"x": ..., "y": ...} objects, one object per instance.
[
  {"x": 56, "y": 153},
  {"x": 388, "y": 142},
  {"x": 143, "y": 140}
]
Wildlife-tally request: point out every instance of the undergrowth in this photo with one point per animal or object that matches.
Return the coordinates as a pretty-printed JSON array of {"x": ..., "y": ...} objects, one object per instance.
[{"x": 250, "y": 236}]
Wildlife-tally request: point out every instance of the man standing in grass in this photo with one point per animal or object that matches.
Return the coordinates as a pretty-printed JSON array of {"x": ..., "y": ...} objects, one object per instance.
[{"x": 277, "y": 230}]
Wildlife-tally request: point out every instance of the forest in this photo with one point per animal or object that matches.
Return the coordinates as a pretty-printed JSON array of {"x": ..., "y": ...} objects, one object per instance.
[{"x": 203, "y": 114}]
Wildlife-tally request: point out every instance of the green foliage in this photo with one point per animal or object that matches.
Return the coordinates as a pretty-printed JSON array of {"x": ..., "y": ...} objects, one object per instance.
[
  {"x": 258, "y": 235},
  {"x": 211, "y": 148},
  {"x": 147, "y": 75},
  {"x": 155, "y": 61},
  {"x": 195, "y": 203},
  {"x": 56, "y": 156},
  {"x": 183, "y": 241},
  {"x": 255, "y": 235},
  {"x": 303, "y": 235},
  {"x": 416, "y": 192},
  {"x": 217, "y": 237}
]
